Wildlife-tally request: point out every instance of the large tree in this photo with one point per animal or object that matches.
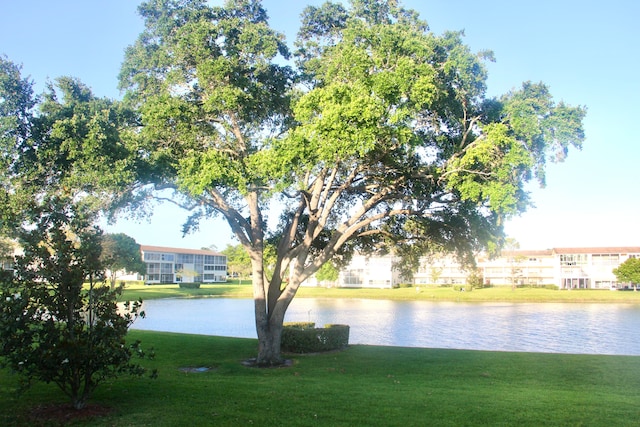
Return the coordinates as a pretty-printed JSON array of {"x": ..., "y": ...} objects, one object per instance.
[
  {"x": 381, "y": 136},
  {"x": 120, "y": 253}
]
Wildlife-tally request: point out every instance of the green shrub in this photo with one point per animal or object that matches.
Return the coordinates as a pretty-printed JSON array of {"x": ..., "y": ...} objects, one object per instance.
[
  {"x": 54, "y": 330},
  {"x": 404, "y": 285},
  {"x": 303, "y": 337},
  {"x": 474, "y": 279},
  {"x": 190, "y": 285},
  {"x": 300, "y": 325}
]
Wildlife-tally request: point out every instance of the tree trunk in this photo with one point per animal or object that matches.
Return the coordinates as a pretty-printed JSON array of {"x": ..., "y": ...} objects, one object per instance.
[
  {"x": 79, "y": 402},
  {"x": 269, "y": 340},
  {"x": 269, "y": 320}
]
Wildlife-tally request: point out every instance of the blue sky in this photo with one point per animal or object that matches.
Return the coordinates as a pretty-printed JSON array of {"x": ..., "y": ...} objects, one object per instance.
[{"x": 585, "y": 51}]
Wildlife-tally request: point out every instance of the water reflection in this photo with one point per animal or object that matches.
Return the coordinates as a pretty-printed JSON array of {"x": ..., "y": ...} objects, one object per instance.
[{"x": 556, "y": 328}]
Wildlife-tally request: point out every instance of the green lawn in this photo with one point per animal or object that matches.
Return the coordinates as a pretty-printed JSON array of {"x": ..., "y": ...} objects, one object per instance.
[
  {"x": 363, "y": 385},
  {"x": 426, "y": 293}
]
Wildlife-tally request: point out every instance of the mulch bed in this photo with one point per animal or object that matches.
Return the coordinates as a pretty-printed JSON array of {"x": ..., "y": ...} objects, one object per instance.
[{"x": 62, "y": 414}]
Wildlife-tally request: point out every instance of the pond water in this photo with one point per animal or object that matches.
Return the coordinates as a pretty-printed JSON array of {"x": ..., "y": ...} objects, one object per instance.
[{"x": 548, "y": 327}]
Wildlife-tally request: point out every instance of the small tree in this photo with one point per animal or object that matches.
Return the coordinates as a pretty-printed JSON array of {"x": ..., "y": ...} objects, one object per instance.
[
  {"x": 120, "y": 252},
  {"x": 238, "y": 260},
  {"x": 436, "y": 272},
  {"x": 515, "y": 261},
  {"x": 328, "y": 273},
  {"x": 628, "y": 271},
  {"x": 54, "y": 330},
  {"x": 474, "y": 279}
]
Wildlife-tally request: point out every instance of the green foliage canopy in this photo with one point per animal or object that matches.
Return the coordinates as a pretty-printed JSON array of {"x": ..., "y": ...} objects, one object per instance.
[
  {"x": 121, "y": 252},
  {"x": 238, "y": 260},
  {"x": 65, "y": 155},
  {"x": 628, "y": 271},
  {"x": 66, "y": 142},
  {"x": 381, "y": 136},
  {"x": 51, "y": 329}
]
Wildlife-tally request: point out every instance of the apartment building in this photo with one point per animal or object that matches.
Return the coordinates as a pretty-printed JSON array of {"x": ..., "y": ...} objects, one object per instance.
[
  {"x": 538, "y": 267},
  {"x": 440, "y": 270},
  {"x": 369, "y": 272},
  {"x": 591, "y": 268},
  {"x": 567, "y": 268},
  {"x": 177, "y": 265}
]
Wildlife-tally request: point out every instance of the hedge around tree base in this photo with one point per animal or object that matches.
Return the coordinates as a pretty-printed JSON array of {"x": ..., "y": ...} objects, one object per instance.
[{"x": 306, "y": 338}]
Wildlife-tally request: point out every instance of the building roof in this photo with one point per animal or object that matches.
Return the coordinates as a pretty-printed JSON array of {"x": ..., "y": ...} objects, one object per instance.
[
  {"x": 524, "y": 252},
  {"x": 600, "y": 250},
  {"x": 566, "y": 251},
  {"x": 148, "y": 248}
]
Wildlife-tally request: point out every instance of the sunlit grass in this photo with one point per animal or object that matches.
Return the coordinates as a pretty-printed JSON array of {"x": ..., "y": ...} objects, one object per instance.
[
  {"x": 135, "y": 290},
  {"x": 363, "y": 385}
]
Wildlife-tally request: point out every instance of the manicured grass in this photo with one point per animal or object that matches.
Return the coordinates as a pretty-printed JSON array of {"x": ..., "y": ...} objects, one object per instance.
[
  {"x": 427, "y": 293},
  {"x": 133, "y": 291},
  {"x": 363, "y": 385}
]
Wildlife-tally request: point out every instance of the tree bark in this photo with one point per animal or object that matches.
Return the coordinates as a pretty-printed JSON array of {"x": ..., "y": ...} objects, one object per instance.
[{"x": 269, "y": 341}]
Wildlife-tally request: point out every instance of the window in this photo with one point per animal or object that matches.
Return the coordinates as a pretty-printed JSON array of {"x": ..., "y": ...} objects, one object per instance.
[
  {"x": 606, "y": 259},
  {"x": 185, "y": 258},
  {"x": 573, "y": 259},
  {"x": 215, "y": 259},
  {"x": 151, "y": 256},
  {"x": 353, "y": 277}
]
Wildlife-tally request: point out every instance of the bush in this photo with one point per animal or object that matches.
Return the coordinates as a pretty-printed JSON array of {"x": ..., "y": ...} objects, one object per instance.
[
  {"x": 304, "y": 337},
  {"x": 474, "y": 279},
  {"x": 190, "y": 285},
  {"x": 51, "y": 328},
  {"x": 300, "y": 325}
]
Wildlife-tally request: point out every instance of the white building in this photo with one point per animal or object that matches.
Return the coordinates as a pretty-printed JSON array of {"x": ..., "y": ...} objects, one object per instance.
[
  {"x": 520, "y": 268},
  {"x": 440, "y": 270},
  {"x": 177, "y": 265},
  {"x": 369, "y": 272},
  {"x": 591, "y": 267},
  {"x": 566, "y": 268}
]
